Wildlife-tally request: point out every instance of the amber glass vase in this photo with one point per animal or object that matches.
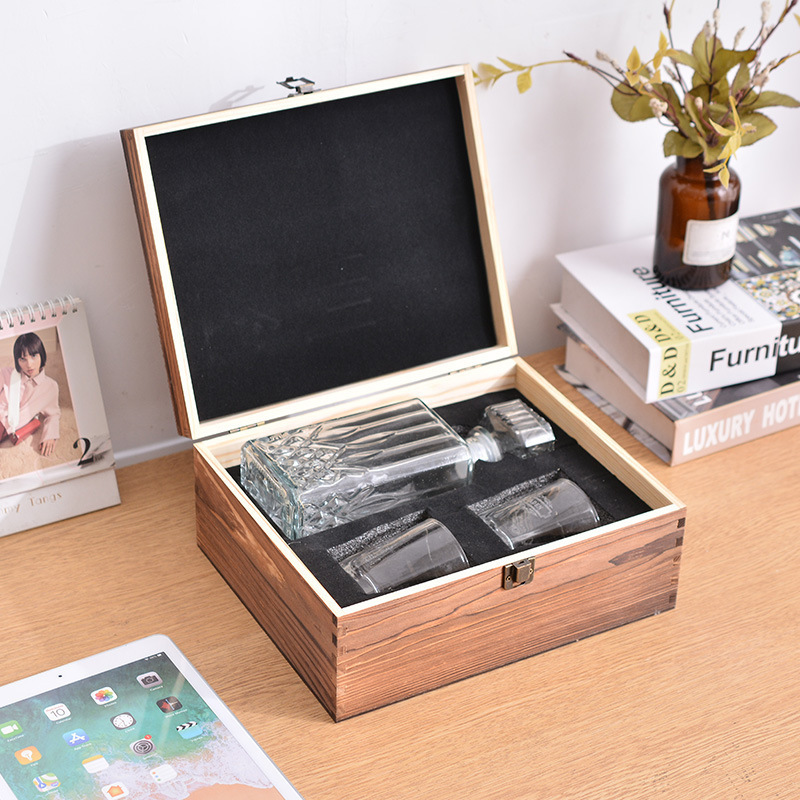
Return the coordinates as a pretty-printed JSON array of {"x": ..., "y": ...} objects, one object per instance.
[{"x": 696, "y": 225}]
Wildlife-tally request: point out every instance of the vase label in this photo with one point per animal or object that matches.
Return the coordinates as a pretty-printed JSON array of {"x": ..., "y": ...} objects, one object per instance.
[{"x": 710, "y": 242}]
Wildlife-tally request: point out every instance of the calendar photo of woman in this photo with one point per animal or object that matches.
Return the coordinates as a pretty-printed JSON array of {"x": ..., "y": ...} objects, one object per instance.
[
  {"x": 37, "y": 421},
  {"x": 56, "y": 458}
]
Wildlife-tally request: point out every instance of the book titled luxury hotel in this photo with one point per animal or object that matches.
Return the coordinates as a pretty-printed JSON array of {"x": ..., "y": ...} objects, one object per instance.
[{"x": 691, "y": 426}]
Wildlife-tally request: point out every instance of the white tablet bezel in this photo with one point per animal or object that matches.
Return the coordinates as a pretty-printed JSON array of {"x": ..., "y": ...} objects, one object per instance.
[{"x": 125, "y": 654}]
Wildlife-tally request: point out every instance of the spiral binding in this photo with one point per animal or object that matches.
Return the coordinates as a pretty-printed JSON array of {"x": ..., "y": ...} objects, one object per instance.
[{"x": 37, "y": 312}]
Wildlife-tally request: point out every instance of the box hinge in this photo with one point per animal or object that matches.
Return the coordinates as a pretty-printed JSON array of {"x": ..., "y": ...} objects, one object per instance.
[
  {"x": 518, "y": 574},
  {"x": 247, "y": 427},
  {"x": 298, "y": 85}
]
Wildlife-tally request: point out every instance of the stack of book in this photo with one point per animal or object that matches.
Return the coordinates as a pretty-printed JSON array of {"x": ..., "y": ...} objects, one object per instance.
[{"x": 689, "y": 372}]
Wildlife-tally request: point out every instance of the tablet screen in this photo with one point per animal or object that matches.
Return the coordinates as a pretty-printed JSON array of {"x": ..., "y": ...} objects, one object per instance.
[{"x": 142, "y": 729}]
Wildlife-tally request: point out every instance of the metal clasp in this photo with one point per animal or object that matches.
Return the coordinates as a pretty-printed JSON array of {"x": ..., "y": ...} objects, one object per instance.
[
  {"x": 518, "y": 574},
  {"x": 299, "y": 85}
]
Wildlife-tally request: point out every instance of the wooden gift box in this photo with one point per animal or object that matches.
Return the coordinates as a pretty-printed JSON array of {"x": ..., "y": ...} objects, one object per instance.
[{"x": 330, "y": 252}]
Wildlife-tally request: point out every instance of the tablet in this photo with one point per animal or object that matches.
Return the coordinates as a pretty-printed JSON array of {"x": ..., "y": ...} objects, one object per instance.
[{"x": 137, "y": 721}]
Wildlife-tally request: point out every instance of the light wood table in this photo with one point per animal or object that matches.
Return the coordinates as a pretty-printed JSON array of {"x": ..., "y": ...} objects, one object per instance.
[{"x": 702, "y": 702}]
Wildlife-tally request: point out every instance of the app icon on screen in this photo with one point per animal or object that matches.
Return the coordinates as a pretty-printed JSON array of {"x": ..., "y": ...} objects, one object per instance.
[
  {"x": 188, "y": 730},
  {"x": 163, "y": 773},
  {"x": 27, "y": 755},
  {"x": 122, "y": 721},
  {"x": 10, "y": 728},
  {"x": 57, "y": 712},
  {"x": 94, "y": 764},
  {"x": 143, "y": 747},
  {"x": 169, "y": 704},
  {"x": 46, "y": 782},
  {"x": 76, "y": 737},
  {"x": 149, "y": 680},
  {"x": 115, "y": 790},
  {"x": 104, "y": 695}
]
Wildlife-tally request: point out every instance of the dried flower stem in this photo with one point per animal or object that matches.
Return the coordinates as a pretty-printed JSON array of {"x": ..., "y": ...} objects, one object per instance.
[{"x": 712, "y": 115}]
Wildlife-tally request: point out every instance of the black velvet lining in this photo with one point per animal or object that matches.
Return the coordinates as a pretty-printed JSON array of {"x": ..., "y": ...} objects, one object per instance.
[
  {"x": 612, "y": 499},
  {"x": 319, "y": 246}
]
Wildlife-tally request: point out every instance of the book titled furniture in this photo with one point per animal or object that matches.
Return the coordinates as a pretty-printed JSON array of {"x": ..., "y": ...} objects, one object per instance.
[{"x": 665, "y": 342}]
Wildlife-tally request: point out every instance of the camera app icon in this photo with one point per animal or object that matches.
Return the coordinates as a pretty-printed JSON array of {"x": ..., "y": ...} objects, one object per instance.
[{"x": 149, "y": 680}]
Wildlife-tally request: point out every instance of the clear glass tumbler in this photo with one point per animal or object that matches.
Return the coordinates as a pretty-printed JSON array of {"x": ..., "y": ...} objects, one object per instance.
[
  {"x": 560, "y": 507},
  {"x": 419, "y": 553}
]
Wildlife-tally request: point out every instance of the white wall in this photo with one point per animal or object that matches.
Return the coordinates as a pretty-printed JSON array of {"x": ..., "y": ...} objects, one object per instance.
[{"x": 566, "y": 172}]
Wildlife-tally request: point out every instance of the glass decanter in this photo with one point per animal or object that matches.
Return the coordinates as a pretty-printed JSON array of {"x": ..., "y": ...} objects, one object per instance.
[{"x": 317, "y": 477}]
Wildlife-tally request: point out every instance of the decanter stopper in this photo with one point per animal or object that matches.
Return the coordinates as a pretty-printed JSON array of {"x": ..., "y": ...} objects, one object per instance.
[{"x": 510, "y": 427}]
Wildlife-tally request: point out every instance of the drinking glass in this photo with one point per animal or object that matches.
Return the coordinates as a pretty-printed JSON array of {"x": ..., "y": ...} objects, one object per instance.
[
  {"x": 560, "y": 507},
  {"x": 424, "y": 551}
]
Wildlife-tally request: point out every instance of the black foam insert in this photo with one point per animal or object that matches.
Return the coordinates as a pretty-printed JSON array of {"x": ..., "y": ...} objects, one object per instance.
[
  {"x": 314, "y": 247},
  {"x": 612, "y": 499}
]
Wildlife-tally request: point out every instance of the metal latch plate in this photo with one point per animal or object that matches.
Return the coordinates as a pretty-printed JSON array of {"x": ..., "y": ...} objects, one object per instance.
[{"x": 518, "y": 574}]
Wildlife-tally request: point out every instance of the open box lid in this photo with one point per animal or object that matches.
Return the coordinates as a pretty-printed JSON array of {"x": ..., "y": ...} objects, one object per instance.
[{"x": 322, "y": 246}]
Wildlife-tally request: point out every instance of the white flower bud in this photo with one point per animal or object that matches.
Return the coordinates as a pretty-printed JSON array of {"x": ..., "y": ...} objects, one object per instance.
[
  {"x": 766, "y": 7},
  {"x": 738, "y": 38},
  {"x": 658, "y": 107},
  {"x": 760, "y": 79}
]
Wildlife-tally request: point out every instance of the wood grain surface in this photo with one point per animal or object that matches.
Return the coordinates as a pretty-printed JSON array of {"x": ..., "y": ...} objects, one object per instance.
[
  {"x": 699, "y": 702},
  {"x": 366, "y": 656}
]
